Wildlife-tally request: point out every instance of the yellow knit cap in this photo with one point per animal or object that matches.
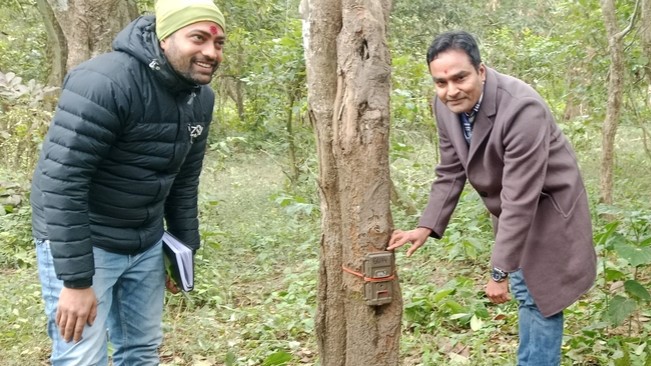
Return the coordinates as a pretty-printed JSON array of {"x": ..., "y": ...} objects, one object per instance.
[{"x": 172, "y": 15}]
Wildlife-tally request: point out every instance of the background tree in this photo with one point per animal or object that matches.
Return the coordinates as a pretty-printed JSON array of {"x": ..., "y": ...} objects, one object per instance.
[
  {"x": 615, "y": 92},
  {"x": 348, "y": 69},
  {"x": 78, "y": 30},
  {"x": 645, "y": 37}
]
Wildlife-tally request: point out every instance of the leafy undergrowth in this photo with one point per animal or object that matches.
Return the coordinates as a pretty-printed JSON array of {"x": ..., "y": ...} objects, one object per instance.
[
  {"x": 255, "y": 288},
  {"x": 23, "y": 340},
  {"x": 254, "y": 299}
]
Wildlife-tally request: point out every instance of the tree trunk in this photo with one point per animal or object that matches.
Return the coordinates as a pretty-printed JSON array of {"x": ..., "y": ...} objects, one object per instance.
[
  {"x": 57, "y": 50},
  {"x": 573, "y": 105},
  {"x": 348, "y": 69},
  {"x": 291, "y": 141},
  {"x": 614, "y": 103},
  {"x": 80, "y": 29},
  {"x": 645, "y": 35}
]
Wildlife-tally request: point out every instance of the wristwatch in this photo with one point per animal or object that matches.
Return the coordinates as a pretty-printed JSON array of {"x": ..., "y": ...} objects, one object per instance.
[{"x": 498, "y": 275}]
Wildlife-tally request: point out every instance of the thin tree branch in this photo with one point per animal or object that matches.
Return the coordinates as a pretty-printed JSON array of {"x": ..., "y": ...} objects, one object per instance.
[{"x": 628, "y": 28}]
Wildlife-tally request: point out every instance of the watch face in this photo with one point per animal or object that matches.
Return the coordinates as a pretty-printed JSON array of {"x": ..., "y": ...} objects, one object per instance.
[{"x": 498, "y": 275}]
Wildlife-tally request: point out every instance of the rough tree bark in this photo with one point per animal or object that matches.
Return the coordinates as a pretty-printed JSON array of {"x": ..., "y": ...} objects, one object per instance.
[
  {"x": 645, "y": 35},
  {"x": 80, "y": 29},
  {"x": 614, "y": 103},
  {"x": 348, "y": 70},
  {"x": 57, "y": 50}
]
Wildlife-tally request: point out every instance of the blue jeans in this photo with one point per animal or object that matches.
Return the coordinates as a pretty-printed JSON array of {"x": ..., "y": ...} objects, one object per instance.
[
  {"x": 129, "y": 290},
  {"x": 540, "y": 337}
]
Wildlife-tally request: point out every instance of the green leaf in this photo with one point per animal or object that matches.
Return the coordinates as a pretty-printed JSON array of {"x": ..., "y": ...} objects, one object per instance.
[
  {"x": 620, "y": 308},
  {"x": 230, "y": 359},
  {"x": 455, "y": 307},
  {"x": 614, "y": 240},
  {"x": 613, "y": 274},
  {"x": 634, "y": 255},
  {"x": 639, "y": 349},
  {"x": 458, "y": 316},
  {"x": 636, "y": 290},
  {"x": 442, "y": 294},
  {"x": 482, "y": 313},
  {"x": 415, "y": 304},
  {"x": 625, "y": 360},
  {"x": 603, "y": 238},
  {"x": 278, "y": 358},
  {"x": 646, "y": 242},
  {"x": 476, "y": 323}
]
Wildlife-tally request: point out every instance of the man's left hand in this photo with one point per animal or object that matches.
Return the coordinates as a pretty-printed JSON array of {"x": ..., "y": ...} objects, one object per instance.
[{"x": 498, "y": 292}]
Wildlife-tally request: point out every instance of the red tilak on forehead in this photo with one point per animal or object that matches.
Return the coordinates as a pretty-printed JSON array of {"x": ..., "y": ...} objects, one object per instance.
[{"x": 213, "y": 29}]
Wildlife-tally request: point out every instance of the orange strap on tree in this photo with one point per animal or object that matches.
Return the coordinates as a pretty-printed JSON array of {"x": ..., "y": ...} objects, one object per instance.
[{"x": 368, "y": 279}]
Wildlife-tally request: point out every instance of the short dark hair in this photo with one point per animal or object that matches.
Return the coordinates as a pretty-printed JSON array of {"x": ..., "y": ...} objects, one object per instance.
[{"x": 455, "y": 40}]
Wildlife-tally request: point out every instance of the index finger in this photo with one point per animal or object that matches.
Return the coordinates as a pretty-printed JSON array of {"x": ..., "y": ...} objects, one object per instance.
[
  {"x": 395, "y": 237},
  {"x": 397, "y": 244}
]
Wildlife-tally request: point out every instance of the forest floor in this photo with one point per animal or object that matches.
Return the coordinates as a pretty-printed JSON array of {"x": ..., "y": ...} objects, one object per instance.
[{"x": 255, "y": 290}]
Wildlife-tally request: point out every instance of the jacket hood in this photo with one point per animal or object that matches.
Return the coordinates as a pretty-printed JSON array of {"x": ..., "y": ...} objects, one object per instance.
[{"x": 139, "y": 40}]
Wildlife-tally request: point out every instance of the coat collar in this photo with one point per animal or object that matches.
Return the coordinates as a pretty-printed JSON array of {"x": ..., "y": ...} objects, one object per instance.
[{"x": 489, "y": 103}]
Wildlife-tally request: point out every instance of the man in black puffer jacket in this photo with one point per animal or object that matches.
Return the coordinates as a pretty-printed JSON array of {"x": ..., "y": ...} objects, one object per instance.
[{"x": 121, "y": 160}]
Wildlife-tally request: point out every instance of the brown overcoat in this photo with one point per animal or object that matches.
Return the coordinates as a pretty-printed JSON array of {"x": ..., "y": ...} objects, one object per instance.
[{"x": 526, "y": 173}]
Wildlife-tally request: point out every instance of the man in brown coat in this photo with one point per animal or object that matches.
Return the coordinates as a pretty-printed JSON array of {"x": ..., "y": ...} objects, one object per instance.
[{"x": 498, "y": 134}]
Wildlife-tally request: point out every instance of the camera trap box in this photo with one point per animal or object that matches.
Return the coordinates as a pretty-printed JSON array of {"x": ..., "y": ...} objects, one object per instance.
[{"x": 378, "y": 273}]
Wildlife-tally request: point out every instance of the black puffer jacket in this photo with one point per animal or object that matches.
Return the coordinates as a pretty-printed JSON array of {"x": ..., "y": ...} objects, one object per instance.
[{"x": 123, "y": 153}]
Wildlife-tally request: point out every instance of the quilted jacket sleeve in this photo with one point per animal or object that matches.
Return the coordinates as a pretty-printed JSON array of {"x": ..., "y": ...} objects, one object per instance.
[{"x": 86, "y": 123}]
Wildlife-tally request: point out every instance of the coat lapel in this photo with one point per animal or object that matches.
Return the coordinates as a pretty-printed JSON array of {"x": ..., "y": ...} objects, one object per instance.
[
  {"x": 454, "y": 131},
  {"x": 459, "y": 142},
  {"x": 483, "y": 121}
]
